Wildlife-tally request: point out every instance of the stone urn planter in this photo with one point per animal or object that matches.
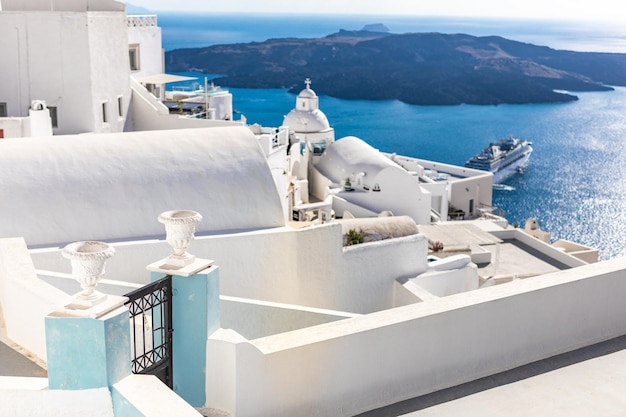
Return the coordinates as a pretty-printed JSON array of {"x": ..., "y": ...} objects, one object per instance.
[
  {"x": 180, "y": 228},
  {"x": 88, "y": 260}
]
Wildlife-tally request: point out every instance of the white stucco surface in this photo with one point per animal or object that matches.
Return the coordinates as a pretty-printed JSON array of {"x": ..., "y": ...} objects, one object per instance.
[
  {"x": 397, "y": 190},
  {"x": 24, "y": 299},
  {"x": 66, "y": 403},
  {"x": 593, "y": 387},
  {"x": 306, "y": 121},
  {"x": 151, "y": 398},
  {"x": 106, "y": 187},
  {"x": 358, "y": 364},
  {"x": 76, "y": 59},
  {"x": 351, "y": 155}
]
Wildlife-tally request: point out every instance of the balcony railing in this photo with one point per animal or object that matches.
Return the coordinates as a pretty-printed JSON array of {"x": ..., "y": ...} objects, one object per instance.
[{"x": 140, "y": 21}]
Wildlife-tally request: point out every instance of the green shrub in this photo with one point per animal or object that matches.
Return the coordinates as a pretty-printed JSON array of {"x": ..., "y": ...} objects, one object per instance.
[{"x": 354, "y": 237}]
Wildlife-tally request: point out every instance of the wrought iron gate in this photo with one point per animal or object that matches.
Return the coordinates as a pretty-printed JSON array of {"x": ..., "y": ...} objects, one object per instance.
[{"x": 151, "y": 330}]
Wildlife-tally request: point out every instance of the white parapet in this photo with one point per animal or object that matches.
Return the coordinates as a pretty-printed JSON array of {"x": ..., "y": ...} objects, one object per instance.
[
  {"x": 67, "y": 403},
  {"x": 24, "y": 298},
  {"x": 377, "y": 359}
]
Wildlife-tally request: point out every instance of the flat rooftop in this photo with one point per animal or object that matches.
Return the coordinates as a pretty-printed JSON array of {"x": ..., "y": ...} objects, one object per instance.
[
  {"x": 509, "y": 259},
  {"x": 586, "y": 382}
]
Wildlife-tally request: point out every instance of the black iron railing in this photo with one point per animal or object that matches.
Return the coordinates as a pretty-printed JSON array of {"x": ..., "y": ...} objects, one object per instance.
[{"x": 150, "y": 310}]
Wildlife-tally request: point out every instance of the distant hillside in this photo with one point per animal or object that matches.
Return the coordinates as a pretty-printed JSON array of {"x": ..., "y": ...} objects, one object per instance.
[
  {"x": 376, "y": 27},
  {"x": 416, "y": 68}
]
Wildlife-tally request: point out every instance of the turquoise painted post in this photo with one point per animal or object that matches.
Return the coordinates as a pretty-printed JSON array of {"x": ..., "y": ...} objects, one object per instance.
[
  {"x": 195, "y": 315},
  {"x": 85, "y": 353}
]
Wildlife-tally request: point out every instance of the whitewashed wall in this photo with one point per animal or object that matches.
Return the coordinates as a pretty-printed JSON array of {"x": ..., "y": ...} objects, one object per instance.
[
  {"x": 475, "y": 185},
  {"x": 478, "y": 189},
  {"x": 72, "y": 60},
  {"x": 24, "y": 299},
  {"x": 13, "y": 80},
  {"x": 341, "y": 205},
  {"x": 543, "y": 247},
  {"x": 347, "y": 367},
  {"x": 109, "y": 68},
  {"x": 150, "y": 49},
  {"x": 147, "y": 113},
  {"x": 15, "y": 127},
  {"x": 307, "y": 267},
  {"x": 255, "y": 319},
  {"x": 449, "y": 282}
]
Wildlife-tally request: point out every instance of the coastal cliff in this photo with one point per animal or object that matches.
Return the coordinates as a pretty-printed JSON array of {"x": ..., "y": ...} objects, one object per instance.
[{"x": 416, "y": 68}]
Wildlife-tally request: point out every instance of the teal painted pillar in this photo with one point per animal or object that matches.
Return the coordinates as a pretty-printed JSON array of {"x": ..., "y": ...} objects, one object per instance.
[
  {"x": 195, "y": 315},
  {"x": 84, "y": 352}
]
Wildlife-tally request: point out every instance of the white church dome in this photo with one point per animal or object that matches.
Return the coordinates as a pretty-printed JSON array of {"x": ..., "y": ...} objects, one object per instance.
[
  {"x": 306, "y": 121},
  {"x": 307, "y": 117},
  {"x": 307, "y": 93}
]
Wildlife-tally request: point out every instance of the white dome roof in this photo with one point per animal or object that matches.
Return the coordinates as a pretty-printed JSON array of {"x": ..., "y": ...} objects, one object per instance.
[
  {"x": 306, "y": 121},
  {"x": 351, "y": 154},
  {"x": 112, "y": 186},
  {"x": 307, "y": 93}
]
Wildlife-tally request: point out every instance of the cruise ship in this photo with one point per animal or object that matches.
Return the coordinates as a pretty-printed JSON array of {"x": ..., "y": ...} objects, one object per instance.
[{"x": 503, "y": 159}]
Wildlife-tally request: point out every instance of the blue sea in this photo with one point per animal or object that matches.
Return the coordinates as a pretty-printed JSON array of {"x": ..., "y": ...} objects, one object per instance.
[{"x": 575, "y": 184}]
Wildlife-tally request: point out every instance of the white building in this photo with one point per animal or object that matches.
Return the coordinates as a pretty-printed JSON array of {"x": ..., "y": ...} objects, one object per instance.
[
  {"x": 119, "y": 85},
  {"x": 306, "y": 324},
  {"x": 68, "y": 54},
  {"x": 308, "y": 123}
]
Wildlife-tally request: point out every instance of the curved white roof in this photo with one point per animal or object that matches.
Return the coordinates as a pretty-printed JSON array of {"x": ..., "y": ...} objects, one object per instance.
[
  {"x": 351, "y": 155},
  {"x": 113, "y": 186},
  {"x": 306, "y": 121},
  {"x": 307, "y": 93}
]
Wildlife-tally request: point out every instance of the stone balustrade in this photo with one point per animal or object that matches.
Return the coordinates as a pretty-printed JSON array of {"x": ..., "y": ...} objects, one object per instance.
[{"x": 138, "y": 21}]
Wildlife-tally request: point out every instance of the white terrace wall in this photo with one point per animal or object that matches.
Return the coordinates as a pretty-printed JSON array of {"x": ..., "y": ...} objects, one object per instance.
[
  {"x": 144, "y": 32},
  {"x": 447, "y": 282},
  {"x": 353, "y": 365},
  {"x": 307, "y": 267},
  {"x": 148, "y": 113},
  {"x": 552, "y": 251},
  {"x": 15, "y": 127},
  {"x": 25, "y": 299},
  {"x": 475, "y": 184},
  {"x": 255, "y": 319}
]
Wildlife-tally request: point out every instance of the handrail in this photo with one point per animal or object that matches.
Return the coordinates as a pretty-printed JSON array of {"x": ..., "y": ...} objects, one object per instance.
[{"x": 136, "y": 21}]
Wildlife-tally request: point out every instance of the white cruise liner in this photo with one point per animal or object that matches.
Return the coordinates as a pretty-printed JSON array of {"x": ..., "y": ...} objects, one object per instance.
[{"x": 503, "y": 159}]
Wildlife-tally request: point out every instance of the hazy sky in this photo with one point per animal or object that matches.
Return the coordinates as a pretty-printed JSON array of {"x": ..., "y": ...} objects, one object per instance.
[{"x": 559, "y": 9}]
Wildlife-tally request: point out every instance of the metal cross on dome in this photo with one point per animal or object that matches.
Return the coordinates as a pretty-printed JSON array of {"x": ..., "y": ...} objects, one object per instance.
[{"x": 307, "y": 82}]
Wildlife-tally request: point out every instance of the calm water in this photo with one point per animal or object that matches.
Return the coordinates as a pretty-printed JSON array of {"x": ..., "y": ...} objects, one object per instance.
[{"x": 575, "y": 184}]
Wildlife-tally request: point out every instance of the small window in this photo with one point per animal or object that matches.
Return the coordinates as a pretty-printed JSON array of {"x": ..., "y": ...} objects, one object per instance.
[
  {"x": 3, "y": 109},
  {"x": 120, "y": 107},
  {"x": 1, "y": 133},
  {"x": 105, "y": 118},
  {"x": 53, "y": 116},
  {"x": 133, "y": 55}
]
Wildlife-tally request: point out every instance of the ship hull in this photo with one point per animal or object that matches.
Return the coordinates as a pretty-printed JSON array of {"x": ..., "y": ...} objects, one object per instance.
[
  {"x": 503, "y": 159},
  {"x": 501, "y": 175}
]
